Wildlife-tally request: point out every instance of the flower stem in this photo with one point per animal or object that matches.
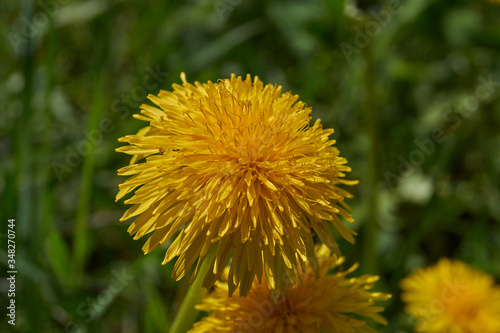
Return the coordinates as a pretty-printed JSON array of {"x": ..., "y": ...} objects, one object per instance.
[
  {"x": 371, "y": 226},
  {"x": 187, "y": 314}
]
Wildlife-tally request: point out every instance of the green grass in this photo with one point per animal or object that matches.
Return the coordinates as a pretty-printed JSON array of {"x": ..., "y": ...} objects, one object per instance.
[{"x": 85, "y": 66}]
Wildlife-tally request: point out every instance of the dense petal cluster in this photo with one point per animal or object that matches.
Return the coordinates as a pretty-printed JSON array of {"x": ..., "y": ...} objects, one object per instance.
[
  {"x": 320, "y": 303},
  {"x": 452, "y": 297},
  {"x": 234, "y": 165}
]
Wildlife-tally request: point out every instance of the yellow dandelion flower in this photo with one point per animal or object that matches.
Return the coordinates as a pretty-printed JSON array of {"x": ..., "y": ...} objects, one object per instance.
[
  {"x": 452, "y": 297},
  {"x": 320, "y": 303},
  {"x": 234, "y": 165}
]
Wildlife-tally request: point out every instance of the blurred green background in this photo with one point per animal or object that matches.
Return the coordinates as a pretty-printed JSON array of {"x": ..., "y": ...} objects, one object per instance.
[{"x": 411, "y": 88}]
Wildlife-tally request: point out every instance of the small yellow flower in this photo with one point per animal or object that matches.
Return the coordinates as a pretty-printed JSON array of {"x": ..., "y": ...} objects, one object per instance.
[
  {"x": 452, "y": 297},
  {"x": 234, "y": 165},
  {"x": 319, "y": 303}
]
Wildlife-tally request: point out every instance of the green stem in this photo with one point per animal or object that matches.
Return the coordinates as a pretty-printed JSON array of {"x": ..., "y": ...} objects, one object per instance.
[
  {"x": 45, "y": 209},
  {"x": 370, "y": 228},
  {"x": 99, "y": 78},
  {"x": 187, "y": 314}
]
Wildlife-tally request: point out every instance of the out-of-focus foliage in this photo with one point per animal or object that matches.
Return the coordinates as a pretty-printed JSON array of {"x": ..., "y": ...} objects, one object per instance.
[{"x": 412, "y": 89}]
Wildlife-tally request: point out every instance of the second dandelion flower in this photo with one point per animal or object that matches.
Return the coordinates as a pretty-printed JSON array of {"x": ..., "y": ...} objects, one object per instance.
[{"x": 327, "y": 302}]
